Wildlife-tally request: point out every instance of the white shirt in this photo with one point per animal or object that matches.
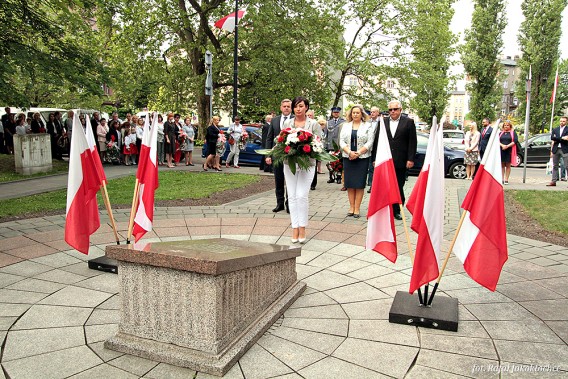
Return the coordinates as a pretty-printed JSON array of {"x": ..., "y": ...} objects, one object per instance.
[{"x": 393, "y": 125}]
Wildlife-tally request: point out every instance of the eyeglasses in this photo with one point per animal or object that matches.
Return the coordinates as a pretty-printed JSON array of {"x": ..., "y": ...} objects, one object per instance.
[{"x": 393, "y": 109}]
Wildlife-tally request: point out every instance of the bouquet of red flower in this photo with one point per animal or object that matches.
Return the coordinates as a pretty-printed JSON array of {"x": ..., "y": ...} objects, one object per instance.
[
  {"x": 243, "y": 140},
  {"x": 336, "y": 166},
  {"x": 297, "y": 147}
]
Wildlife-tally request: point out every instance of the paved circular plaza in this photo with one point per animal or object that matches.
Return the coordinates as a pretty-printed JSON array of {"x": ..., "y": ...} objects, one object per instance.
[{"x": 55, "y": 313}]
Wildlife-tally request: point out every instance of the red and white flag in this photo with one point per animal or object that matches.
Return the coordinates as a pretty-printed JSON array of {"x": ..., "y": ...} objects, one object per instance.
[
  {"x": 228, "y": 22},
  {"x": 381, "y": 233},
  {"x": 481, "y": 244},
  {"x": 91, "y": 141},
  {"x": 426, "y": 203},
  {"x": 82, "y": 218},
  {"x": 555, "y": 88},
  {"x": 147, "y": 175}
]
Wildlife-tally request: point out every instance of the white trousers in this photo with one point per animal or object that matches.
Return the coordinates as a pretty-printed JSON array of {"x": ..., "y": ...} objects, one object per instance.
[
  {"x": 235, "y": 151},
  {"x": 298, "y": 187}
]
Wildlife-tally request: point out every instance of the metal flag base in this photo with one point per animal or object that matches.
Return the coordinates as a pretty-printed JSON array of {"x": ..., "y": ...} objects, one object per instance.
[
  {"x": 443, "y": 314},
  {"x": 104, "y": 264}
]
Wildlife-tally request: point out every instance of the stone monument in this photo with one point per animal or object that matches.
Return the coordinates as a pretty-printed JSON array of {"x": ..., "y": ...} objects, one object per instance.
[
  {"x": 32, "y": 153},
  {"x": 201, "y": 303}
]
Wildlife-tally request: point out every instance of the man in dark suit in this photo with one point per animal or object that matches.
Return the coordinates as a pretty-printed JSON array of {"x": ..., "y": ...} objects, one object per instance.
[
  {"x": 559, "y": 136},
  {"x": 484, "y": 138},
  {"x": 273, "y": 131},
  {"x": 401, "y": 133}
]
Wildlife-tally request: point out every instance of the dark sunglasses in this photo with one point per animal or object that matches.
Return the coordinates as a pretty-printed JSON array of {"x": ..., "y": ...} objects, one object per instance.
[{"x": 393, "y": 109}]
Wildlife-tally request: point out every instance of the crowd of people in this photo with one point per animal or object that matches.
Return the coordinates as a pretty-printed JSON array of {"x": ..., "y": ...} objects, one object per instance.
[
  {"x": 119, "y": 142},
  {"x": 353, "y": 138}
]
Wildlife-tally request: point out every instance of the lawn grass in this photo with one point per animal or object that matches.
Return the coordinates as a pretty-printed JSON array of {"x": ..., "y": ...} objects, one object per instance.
[
  {"x": 548, "y": 208},
  {"x": 174, "y": 185},
  {"x": 8, "y": 169}
]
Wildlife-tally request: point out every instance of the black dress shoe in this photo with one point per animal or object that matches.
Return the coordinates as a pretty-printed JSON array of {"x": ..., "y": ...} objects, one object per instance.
[
  {"x": 287, "y": 210},
  {"x": 398, "y": 216},
  {"x": 350, "y": 214},
  {"x": 356, "y": 215},
  {"x": 313, "y": 188},
  {"x": 369, "y": 190},
  {"x": 278, "y": 208}
]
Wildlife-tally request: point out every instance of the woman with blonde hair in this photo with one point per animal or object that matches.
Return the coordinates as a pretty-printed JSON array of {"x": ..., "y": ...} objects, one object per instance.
[
  {"x": 471, "y": 156},
  {"x": 356, "y": 144},
  {"x": 211, "y": 139}
]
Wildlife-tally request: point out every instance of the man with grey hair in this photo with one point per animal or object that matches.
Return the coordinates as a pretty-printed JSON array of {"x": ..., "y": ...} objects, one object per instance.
[{"x": 401, "y": 133}]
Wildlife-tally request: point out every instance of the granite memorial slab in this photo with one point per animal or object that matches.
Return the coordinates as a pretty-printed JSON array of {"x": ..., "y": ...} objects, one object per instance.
[{"x": 201, "y": 303}]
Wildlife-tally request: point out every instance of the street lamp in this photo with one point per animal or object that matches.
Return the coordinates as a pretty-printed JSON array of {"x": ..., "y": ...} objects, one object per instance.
[
  {"x": 544, "y": 114},
  {"x": 527, "y": 116}
]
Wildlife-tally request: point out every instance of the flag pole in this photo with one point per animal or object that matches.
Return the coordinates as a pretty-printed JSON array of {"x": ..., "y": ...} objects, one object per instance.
[
  {"x": 109, "y": 211},
  {"x": 447, "y": 258},
  {"x": 132, "y": 210},
  {"x": 420, "y": 299},
  {"x": 554, "y": 96}
]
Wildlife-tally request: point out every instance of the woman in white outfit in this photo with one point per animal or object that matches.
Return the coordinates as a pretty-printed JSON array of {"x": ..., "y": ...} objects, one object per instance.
[
  {"x": 471, "y": 156},
  {"x": 298, "y": 185},
  {"x": 235, "y": 131}
]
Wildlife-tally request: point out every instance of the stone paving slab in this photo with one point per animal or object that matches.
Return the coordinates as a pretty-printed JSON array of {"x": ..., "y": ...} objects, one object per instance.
[{"x": 57, "y": 312}]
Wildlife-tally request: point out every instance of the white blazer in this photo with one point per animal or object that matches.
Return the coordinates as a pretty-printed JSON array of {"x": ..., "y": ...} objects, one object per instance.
[{"x": 365, "y": 137}]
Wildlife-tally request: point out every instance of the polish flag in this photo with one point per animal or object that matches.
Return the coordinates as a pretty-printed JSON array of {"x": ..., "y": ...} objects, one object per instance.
[
  {"x": 82, "y": 218},
  {"x": 426, "y": 203},
  {"x": 228, "y": 22},
  {"x": 94, "y": 153},
  {"x": 481, "y": 244},
  {"x": 381, "y": 233},
  {"x": 555, "y": 88},
  {"x": 147, "y": 175}
]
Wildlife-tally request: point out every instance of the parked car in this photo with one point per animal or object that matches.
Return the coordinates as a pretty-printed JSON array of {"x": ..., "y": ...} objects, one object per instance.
[
  {"x": 247, "y": 155},
  {"x": 454, "y": 138},
  {"x": 454, "y": 165},
  {"x": 538, "y": 149}
]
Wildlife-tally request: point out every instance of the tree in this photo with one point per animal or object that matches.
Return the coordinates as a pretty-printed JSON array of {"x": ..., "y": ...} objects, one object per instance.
[
  {"x": 362, "y": 55},
  {"x": 539, "y": 40},
  {"x": 284, "y": 51},
  {"x": 480, "y": 57},
  {"x": 424, "y": 54},
  {"x": 40, "y": 59}
]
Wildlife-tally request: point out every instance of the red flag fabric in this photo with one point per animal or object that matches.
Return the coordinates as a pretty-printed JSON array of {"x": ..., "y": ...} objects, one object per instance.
[
  {"x": 553, "y": 96},
  {"x": 228, "y": 22},
  {"x": 426, "y": 203},
  {"x": 147, "y": 175},
  {"x": 82, "y": 218},
  {"x": 91, "y": 141},
  {"x": 481, "y": 244},
  {"x": 381, "y": 233}
]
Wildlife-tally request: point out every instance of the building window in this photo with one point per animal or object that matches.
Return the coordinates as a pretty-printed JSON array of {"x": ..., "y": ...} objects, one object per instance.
[{"x": 390, "y": 83}]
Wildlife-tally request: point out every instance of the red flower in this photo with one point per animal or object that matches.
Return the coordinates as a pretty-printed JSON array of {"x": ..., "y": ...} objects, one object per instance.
[
  {"x": 280, "y": 139},
  {"x": 301, "y": 136},
  {"x": 287, "y": 149},
  {"x": 307, "y": 148}
]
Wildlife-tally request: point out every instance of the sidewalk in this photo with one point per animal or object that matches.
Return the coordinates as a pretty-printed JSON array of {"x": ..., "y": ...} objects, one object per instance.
[{"x": 55, "y": 313}]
